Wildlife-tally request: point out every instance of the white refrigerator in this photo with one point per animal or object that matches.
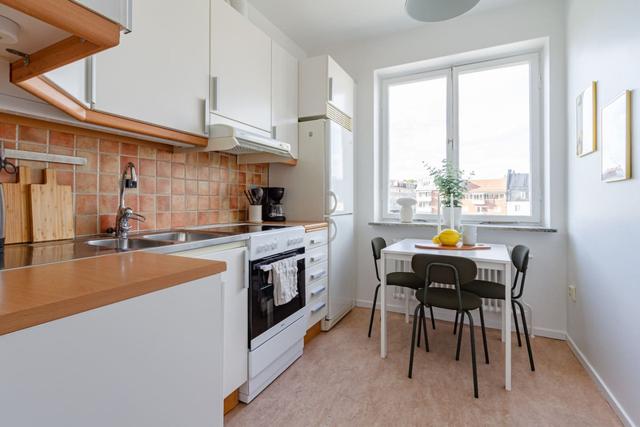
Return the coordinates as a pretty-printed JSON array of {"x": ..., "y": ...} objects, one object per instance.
[{"x": 320, "y": 187}]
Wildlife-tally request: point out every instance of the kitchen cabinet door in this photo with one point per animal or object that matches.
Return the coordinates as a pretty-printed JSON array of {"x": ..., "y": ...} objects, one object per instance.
[
  {"x": 284, "y": 98},
  {"x": 341, "y": 88},
  {"x": 159, "y": 73},
  {"x": 74, "y": 79},
  {"x": 240, "y": 68},
  {"x": 235, "y": 283}
]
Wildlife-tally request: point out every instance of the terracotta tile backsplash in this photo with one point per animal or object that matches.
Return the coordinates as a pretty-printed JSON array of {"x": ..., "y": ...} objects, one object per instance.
[{"x": 174, "y": 189}]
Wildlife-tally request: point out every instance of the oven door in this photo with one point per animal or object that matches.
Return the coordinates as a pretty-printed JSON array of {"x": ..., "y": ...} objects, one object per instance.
[{"x": 263, "y": 313}]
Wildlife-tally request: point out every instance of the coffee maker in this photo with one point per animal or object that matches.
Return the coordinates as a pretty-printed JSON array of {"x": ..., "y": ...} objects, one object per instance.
[{"x": 272, "y": 208}]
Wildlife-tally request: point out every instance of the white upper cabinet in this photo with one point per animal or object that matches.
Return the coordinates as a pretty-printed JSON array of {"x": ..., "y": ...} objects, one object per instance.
[
  {"x": 341, "y": 88},
  {"x": 160, "y": 71},
  {"x": 73, "y": 79},
  {"x": 284, "y": 98},
  {"x": 240, "y": 69},
  {"x": 323, "y": 82}
]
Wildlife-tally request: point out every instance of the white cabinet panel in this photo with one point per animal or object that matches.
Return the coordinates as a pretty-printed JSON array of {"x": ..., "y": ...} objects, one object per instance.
[
  {"x": 236, "y": 316},
  {"x": 340, "y": 88},
  {"x": 284, "y": 97},
  {"x": 339, "y": 174},
  {"x": 73, "y": 79},
  {"x": 160, "y": 71},
  {"x": 240, "y": 68}
]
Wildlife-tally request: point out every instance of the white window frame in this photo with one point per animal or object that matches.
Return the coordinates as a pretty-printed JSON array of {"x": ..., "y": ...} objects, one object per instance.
[{"x": 452, "y": 150}]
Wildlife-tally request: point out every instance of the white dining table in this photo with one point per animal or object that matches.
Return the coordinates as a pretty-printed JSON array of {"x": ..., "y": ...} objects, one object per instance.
[{"x": 496, "y": 258}]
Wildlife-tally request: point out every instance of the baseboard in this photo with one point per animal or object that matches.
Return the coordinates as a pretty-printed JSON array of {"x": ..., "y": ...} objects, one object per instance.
[
  {"x": 492, "y": 320},
  {"x": 602, "y": 386}
]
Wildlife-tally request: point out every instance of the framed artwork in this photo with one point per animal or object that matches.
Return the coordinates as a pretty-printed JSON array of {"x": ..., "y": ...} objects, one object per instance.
[
  {"x": 616, "y": 139},
  {"x": 586, "y": 119}
]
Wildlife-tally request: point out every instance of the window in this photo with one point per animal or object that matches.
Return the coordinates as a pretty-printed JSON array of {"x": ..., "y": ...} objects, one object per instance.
[{"x": 482, "y": 117}]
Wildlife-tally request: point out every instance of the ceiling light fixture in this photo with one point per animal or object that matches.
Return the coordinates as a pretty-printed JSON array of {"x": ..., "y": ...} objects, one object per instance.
[
  {"x": 8, "y": 31},
  {"x": 438, "y": 10}
]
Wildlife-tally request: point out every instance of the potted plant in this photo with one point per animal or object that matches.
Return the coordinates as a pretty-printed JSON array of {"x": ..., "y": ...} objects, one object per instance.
[{"x": 452, "y": 185}]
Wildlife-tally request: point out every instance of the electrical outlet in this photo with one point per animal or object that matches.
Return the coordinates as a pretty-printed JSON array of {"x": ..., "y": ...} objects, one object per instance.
[{"x": 572, "y": 293}]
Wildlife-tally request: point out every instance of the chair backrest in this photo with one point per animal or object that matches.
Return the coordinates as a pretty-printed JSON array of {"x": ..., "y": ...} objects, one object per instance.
[
  {"x": 520, "y": 260},
  {"x": 377, "y": 245},
  {"x": 444, "y": 269},
  {"x": 447, "y": 270}
]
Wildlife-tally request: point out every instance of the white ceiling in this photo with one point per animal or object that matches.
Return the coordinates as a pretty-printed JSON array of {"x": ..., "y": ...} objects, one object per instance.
[{"x": 316, "y": 24}]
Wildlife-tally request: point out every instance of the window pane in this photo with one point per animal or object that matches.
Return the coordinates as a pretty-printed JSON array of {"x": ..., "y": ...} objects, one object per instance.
[
  {"x": 417, "y": 137},
  {"x": 494, "y": 132}
]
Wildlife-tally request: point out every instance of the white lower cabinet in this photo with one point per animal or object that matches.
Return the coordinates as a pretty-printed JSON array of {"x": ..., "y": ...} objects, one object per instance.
[
  {"x": 235, "y": 302},
  {"x": 317, "y": 272}
]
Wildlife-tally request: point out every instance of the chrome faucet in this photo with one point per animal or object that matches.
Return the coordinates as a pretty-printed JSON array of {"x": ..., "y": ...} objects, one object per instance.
[{"x": 129, "y": 179}]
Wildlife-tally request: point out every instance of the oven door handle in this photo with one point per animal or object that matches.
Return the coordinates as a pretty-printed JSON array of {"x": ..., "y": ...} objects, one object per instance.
[{"x": 268, "y": 267}]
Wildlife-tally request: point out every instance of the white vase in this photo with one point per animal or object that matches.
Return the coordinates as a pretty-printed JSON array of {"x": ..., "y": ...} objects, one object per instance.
[
  {"x": 446, "y": 217},
  {"x": 255, "y": 214},
  {"x": 406, "y": 208}
]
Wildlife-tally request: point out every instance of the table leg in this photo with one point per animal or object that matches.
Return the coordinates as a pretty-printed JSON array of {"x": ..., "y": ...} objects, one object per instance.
[
  {"x": 383, "y": 306},
  {"x": 503, "y": 319},
  {"x": 507, "y": 327}
]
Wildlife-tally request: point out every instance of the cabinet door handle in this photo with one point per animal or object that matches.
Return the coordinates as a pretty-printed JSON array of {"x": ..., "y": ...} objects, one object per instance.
[
  {"x": 318, "y": 291},
  {"x": 315, "y": 242},
  {"x": 273, "y": 132},
  {"x": 317, "y": 275},
  {"x": 317, "y": 308},
  {"x": 214, "y": 94},
  {"x": 207, "y": 117},
  {"x": 316, "y": 259},
  {"x": 90, "y": 71},
  {"x": 330, "y": 88}
]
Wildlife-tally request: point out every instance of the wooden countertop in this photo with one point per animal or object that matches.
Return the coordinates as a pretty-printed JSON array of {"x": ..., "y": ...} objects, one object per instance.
[
  {"x": 35, "y": 295},
  {"x": 308, "y": 225}
]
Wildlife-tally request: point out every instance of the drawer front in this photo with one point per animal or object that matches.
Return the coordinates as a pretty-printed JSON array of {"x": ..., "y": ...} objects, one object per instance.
[
  {"x": 317, "y": 256},
  {"x": 317, "y": 309},
  {"x": 317, "y": 291},
  {"x": 315, "y": 273},
  {"x": 316, "y": 239}
]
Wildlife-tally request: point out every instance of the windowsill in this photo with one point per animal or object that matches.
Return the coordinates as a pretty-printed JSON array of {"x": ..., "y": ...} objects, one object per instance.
[{"x": 505, "y": 227}]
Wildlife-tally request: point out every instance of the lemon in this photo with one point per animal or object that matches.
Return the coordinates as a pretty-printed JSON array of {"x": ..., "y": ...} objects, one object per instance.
[
  {"x": 448, "y": 237},
  {"x": 436, "y": 240}
]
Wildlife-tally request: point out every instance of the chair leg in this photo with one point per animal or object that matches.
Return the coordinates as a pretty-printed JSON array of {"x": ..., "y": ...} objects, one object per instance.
[
  {"x": 484, "y": 336},
  {"x": 459, "y": 336},
  {"x": 433, "y": 319},
  {"x": 515, "y": 320},
  {"x": 373, "y": 308},
  {"x": 526, "y": 336},
  {"x": 455, "y": 324},
  {"x": 413, "y": 341},
  {"x": 419, "y": 325},
  {"x": 424, "y": 326},
  {"x": 473, "y": 355}
]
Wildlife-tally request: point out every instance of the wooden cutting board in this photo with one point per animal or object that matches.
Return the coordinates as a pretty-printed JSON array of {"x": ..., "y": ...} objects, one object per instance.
[
  {"x": 17, "y": 206},
  {"x": 427, "y": 245},
  {"x": 51, "y": 209}
]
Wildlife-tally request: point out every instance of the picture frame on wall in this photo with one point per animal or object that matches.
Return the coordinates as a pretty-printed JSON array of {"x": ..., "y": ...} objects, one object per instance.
[
  {"x": 586, "y": 121},
  {"x": 616, "y": 139}
]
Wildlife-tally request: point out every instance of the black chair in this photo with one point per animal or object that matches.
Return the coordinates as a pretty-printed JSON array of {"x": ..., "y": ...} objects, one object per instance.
[
  {"x": 402, "y": 279},
  {"x": 448, "y": 270},
  {"x": 492, "y": 290}
]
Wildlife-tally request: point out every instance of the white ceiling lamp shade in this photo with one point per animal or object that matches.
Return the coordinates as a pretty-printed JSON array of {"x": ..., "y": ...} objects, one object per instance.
[
  {"x": 8, "y": 31},
  {"x": 438, "y": 10}
]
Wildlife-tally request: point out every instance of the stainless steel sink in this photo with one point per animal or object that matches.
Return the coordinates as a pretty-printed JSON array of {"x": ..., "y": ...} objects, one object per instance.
[
  {"x": 179, "y": 236},
  {"x": 126, "y": 244}
]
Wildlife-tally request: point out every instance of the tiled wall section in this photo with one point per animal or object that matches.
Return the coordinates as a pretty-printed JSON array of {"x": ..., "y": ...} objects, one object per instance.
[{"x": 174, "y": 189}]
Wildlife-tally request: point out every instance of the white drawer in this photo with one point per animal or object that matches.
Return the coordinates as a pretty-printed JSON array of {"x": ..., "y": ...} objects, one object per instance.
[
  {"x": 316, "y": 256},
  {"x": 316, "y": 239},
  {"x": 317, "y": 310},
  {"x": 315, "y": 273},
  {"x": 316, "y": 291}
]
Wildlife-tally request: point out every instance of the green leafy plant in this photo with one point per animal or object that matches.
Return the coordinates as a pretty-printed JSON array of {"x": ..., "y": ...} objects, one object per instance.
[{"x": 449, "y": 180}]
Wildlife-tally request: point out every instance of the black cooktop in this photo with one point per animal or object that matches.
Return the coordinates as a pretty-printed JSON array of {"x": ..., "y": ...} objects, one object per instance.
[{"x": 243, "y": 228}]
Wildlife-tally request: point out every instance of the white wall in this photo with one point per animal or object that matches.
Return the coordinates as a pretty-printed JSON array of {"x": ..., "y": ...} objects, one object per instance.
[
  {"x": 602, "y": 44},
  {"x": 546, "y": 287}
]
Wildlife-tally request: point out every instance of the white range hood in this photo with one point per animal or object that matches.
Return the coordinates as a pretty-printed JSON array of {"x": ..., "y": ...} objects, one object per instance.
[{"x": 230, "y": 139}]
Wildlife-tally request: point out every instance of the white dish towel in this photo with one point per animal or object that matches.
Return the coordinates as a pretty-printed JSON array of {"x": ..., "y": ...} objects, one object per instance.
[{"x": 284, "y": 276}]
